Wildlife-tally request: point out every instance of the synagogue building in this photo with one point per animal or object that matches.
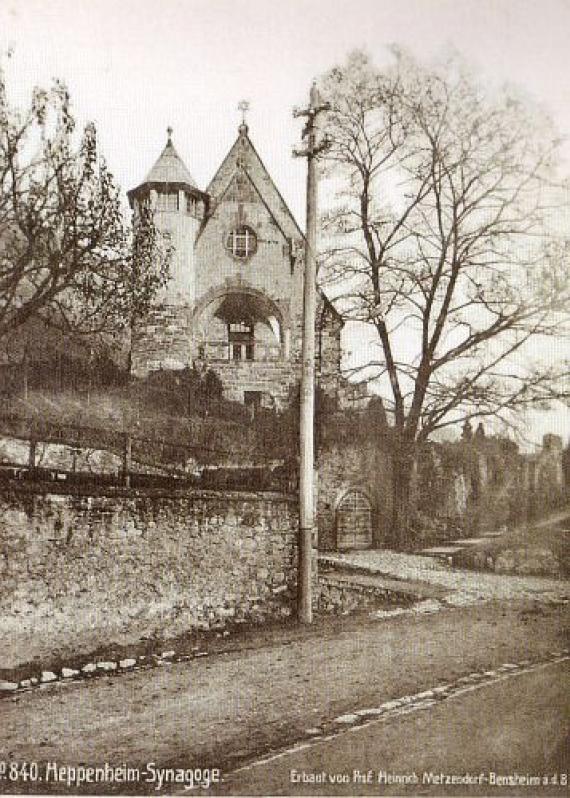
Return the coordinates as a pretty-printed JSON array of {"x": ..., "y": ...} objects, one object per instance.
[{"x": 233, "y": 302}]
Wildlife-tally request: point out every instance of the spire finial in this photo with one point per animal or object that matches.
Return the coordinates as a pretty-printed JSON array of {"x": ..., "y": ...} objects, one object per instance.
[
  {"x": 243, "y": 106},
  {"x": 314, "y": 96},
  {"x": 169, "y": 133}
]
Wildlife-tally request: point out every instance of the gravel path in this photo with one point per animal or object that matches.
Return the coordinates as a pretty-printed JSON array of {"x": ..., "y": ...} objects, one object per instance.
[{"x": 465, "y": 587}]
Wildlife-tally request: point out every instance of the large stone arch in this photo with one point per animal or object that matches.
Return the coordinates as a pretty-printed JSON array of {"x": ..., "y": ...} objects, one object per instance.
[{"x": 232, "y": 304}]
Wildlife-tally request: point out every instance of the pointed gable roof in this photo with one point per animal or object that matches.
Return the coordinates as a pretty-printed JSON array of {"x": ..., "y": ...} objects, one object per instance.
[
  {"x": 168, "y": 170},
  {"x": 243, "y": 152}
]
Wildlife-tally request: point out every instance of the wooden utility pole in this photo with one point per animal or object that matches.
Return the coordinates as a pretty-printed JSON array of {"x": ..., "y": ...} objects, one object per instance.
[
  {"x": 32, "y": 450},
  {"x": 127, "y": 458},
  {"x": 307, "y": 408}
]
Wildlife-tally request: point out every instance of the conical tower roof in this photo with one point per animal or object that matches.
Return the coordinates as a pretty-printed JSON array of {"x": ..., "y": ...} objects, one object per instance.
[{"x": 168, "y": 170}]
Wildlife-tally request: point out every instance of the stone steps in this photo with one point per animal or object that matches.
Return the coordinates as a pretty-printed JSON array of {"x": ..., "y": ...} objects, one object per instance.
[
  {"x": 447, "y": 551},
  {"x": 442, "y": 552},
  {"x": 333, "y": 571}
]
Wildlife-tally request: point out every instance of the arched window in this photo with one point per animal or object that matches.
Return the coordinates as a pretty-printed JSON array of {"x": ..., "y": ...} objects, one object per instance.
[
  {"x": 354, "y": 521},
  {"x": 242, "y": 242}
]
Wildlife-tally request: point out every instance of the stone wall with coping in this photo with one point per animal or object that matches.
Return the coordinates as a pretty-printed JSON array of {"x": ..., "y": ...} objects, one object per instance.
[
  {"x": 80, "y": 571},
  {"x": 334, "y": 595}
]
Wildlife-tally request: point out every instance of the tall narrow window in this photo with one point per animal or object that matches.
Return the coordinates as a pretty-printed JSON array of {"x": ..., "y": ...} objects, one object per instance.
[
  {"x": 241, "y": 341},
  {"x": 190, "y": 204}
]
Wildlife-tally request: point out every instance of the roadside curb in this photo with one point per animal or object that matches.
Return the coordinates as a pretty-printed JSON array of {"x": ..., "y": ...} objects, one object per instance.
[
  {"x": 67, "y": 674},
  {"x": 405, "y": 705},
  {"x": 94, "y": 669}
]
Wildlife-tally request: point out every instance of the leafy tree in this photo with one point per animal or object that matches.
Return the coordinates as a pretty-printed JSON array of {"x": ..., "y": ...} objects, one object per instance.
[
  {"x": 67, "y": 254},
  {"x": 440, "y": 240}
]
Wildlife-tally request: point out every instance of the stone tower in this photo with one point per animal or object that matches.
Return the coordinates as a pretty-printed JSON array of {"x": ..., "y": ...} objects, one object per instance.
[{"x": 179, "y": 210}]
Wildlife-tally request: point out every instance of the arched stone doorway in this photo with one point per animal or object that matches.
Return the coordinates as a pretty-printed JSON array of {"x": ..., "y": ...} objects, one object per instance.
[
  {"x": 240, "y": 325},
  {"x": 353, "y": 520}
]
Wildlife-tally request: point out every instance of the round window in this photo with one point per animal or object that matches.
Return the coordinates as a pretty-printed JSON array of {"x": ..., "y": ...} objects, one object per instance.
[{"x": 242, "y": 242}]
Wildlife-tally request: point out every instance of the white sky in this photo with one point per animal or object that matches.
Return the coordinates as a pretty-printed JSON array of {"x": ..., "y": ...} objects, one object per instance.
[{"x": 137, "y": 66}]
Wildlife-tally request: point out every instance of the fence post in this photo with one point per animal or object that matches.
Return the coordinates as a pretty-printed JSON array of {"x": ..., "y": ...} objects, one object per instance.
[
  {"x": 32, "y": 451},
  {"x": 127, "y": 459}
]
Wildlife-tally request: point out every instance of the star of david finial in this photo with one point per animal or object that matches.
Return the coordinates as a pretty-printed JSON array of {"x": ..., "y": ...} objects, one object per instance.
[{"x": 243, "y": 106}]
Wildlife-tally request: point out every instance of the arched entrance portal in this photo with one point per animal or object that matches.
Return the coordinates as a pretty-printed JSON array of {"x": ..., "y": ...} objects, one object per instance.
[
  {"x": 241, "y": 325},
  {"x": 354, "y": 521}
]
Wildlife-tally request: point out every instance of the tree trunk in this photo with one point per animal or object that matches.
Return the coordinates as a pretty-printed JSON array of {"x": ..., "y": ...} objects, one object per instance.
[{"x": 403, "y": 472}]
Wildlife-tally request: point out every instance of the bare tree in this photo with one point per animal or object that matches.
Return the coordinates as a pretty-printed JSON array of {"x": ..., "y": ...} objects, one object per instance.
[
  {"x": 440, "y": 239},
  {"x": 67, "y": 254}
]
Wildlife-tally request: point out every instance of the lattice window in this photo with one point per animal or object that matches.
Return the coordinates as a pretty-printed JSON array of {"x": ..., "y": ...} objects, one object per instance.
[{"x": 242, "y": 242}]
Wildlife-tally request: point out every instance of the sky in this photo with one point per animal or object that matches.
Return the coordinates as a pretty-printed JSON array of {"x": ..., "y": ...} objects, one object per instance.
[{"x": 135, "y": 67}]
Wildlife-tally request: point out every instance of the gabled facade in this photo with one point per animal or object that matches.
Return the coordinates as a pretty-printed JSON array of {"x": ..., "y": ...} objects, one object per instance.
[{"x": 233, "y": 303}]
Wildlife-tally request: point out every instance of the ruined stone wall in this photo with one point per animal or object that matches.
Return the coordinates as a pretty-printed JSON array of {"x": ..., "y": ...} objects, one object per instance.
[
  {"x": 459, "y": 489},
  {"x": 329, "y": 348},
  {"x": 82, "y": 571},
  {"x": 485, "y": 484},
  {"x": 543, "y": 475}
]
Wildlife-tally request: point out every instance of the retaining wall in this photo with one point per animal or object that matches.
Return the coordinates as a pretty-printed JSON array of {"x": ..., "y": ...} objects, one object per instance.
[
  {"x": 335, "y": 595},
  {"x": 83, "y": 571}
]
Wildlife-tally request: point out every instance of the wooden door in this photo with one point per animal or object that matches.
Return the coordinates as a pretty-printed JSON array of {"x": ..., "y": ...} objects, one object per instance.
[{"x": 354, "y": 521}]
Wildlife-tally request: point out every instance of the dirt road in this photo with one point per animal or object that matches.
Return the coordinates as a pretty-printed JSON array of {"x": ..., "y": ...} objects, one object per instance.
[
  {"x": 504, "y": 738},
  {"x": 224, "y": 710}
]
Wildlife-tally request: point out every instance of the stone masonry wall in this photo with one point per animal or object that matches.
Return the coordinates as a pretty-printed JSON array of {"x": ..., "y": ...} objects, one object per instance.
[
  {"x": 362, "y": 465},
  {"x": 272, "y": 379},
  {"x": 82, "y": 571},
  {"x": 161, "y": 341}
]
